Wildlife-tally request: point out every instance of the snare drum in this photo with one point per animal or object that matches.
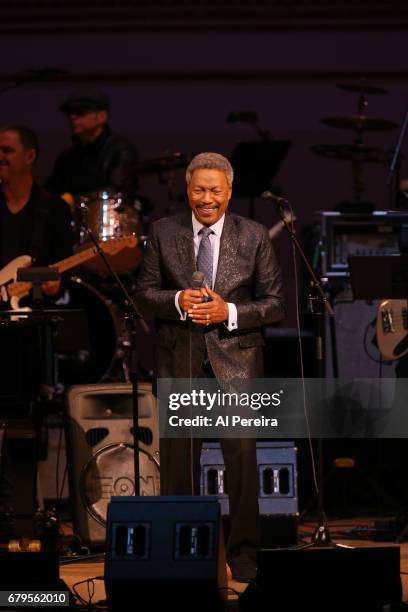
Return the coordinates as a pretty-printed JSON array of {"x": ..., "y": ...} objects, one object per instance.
[{"x": 109, "y": 217}]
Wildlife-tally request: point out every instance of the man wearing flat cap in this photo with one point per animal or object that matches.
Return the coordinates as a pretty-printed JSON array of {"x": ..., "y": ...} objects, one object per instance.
[{"x": 98, "y": 159}]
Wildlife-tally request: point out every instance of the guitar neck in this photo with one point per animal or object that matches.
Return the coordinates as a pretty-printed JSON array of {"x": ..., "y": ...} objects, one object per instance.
[
  {"x": 110, "y": 247},
  {"x": 23, "y": 288},
  {"x": 75, "y": 260}
]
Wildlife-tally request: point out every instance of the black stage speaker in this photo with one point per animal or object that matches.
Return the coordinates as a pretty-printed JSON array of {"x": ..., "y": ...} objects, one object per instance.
[
  {"x": 4, "y": 483},
  {"x": 325, "y": 579},
  {"x": 27, "y": 570},
  {"x": 277, "y": 498},
  {"x": 100, "y": 455},
  {"x": 277, "y": 476},
  {"x": 165, "y": 549},
  {"x": 34, "y": 571},
  {"x": 18, "y": 478}
]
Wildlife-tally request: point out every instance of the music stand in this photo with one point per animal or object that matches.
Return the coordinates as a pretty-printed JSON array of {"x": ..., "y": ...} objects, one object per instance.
[
  {"x": 255, "y": 164},
  {"x": 390, "y": 280},
  {"x": 37, "y": 276}
]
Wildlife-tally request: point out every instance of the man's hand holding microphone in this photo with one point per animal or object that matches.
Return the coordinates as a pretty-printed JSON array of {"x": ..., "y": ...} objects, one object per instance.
[{"x": 203, "y": 305}]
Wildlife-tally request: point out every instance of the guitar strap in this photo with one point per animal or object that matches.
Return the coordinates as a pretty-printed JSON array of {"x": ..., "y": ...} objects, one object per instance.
[{"x": 41, "y": 212}]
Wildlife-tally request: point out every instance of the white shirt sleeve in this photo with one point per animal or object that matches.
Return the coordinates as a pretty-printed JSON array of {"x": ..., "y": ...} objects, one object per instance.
[
  {"x": 183, "y": 315},
  {"x": 232, "y": 322}
]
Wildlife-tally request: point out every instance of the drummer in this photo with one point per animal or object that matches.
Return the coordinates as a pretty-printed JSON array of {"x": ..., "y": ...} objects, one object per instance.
[{"x": 98, "y": 159}]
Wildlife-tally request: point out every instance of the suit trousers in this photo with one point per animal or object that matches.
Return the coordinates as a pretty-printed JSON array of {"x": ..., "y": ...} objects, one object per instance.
[{"x": 180, "y": 475}]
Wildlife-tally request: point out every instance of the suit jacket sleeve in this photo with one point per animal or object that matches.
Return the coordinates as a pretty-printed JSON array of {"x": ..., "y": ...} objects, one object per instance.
[
  {"x": 150, "y": 296},
  {"x": 267, "y": 305}
]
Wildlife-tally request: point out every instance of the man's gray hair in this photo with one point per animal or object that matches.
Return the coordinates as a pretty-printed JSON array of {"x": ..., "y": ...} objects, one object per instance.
[{"x": 210, "y": 161}]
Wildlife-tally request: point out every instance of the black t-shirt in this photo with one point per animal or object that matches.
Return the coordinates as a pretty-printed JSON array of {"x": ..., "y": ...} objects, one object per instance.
[
  {"x": 11, "y": 233},
  {"x": 42, "y": 229}
]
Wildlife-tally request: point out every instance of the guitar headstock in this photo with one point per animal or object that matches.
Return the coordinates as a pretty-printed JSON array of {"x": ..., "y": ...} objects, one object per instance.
[{"x": 115, "y": 245}]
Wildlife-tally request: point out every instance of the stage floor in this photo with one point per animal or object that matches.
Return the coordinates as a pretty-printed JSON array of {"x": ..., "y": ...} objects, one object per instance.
[{"x": 352, "y": 532}]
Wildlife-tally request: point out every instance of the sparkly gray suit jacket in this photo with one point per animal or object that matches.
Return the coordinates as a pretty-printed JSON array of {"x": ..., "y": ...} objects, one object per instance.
[{"x": 247, "y": 275}]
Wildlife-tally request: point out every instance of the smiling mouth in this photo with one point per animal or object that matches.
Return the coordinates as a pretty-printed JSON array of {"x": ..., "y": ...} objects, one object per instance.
[{"x": 207, "y": 208}]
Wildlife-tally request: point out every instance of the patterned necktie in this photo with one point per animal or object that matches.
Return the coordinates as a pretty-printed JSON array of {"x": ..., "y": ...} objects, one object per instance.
[{"x": 205, "y": 256}]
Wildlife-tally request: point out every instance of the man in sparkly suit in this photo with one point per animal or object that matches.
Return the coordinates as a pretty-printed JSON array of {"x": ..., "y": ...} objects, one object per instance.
[{"x": 238, "y": 261}]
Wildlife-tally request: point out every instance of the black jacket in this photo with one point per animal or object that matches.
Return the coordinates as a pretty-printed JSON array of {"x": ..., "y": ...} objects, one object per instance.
[
  {"x": 107, "y": 163},
  {"x": 248, "y": 275}
]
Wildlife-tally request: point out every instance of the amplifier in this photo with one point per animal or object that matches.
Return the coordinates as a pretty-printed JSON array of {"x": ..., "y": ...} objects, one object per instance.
[{"x": 348, "y": 234}]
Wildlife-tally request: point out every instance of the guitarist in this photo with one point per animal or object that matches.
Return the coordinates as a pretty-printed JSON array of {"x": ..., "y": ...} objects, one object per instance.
[
  {"x": 32, "y": 221},
  {"x": 35, "y": 223}
]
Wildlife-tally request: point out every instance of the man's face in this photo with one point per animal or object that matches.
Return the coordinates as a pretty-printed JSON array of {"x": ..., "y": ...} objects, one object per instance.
[
  {"x": 86, "y": 122},
  {"x": 208, "y": 195},
  {"x": 15, "y": 159}
]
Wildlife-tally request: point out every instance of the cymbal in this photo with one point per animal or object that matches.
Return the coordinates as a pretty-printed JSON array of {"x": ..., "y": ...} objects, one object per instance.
[
  {"x": 164, "y": 163},
  {"x": 362, "y": 88},
  {"x": 359, "y": 123},
  {"x": 356, "y": 153}
]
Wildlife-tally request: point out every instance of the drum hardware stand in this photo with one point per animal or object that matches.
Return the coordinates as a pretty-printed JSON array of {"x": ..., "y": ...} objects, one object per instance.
[
  {"x": 131, "y": 315},
  {"x": 320, "y": 304}
]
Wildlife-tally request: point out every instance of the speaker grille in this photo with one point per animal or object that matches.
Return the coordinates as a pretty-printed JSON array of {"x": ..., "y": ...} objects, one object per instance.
[
  {"x": 144, "y": 435},
  {"x": 96, "y": 435}
]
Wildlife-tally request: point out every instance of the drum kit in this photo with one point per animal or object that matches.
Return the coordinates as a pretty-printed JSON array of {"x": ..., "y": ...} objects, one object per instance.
[
  {"x": 358, "y": 153},
  {"x": 105, "y": 352}
]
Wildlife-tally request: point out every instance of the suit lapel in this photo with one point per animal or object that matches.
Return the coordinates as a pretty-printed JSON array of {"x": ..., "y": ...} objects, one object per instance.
[
  {"x": 185, "y": 248},
  {"x": 227, "y": 256}
]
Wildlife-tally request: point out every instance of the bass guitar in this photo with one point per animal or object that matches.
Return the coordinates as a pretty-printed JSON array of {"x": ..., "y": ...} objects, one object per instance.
[{"x": 392, "y": 328}]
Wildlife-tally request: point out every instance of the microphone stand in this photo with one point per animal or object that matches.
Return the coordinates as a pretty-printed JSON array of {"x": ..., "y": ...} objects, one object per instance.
[
  {"x": 394, "y": 170},
  {"x": 319, "y": 304},
  {"x": 131, "y": 316}
]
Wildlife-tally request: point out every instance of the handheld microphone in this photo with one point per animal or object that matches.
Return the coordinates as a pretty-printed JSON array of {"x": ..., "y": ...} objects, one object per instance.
[
  {"x": 197, "y": 280},
  {"x": 268, "y": 195}
]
